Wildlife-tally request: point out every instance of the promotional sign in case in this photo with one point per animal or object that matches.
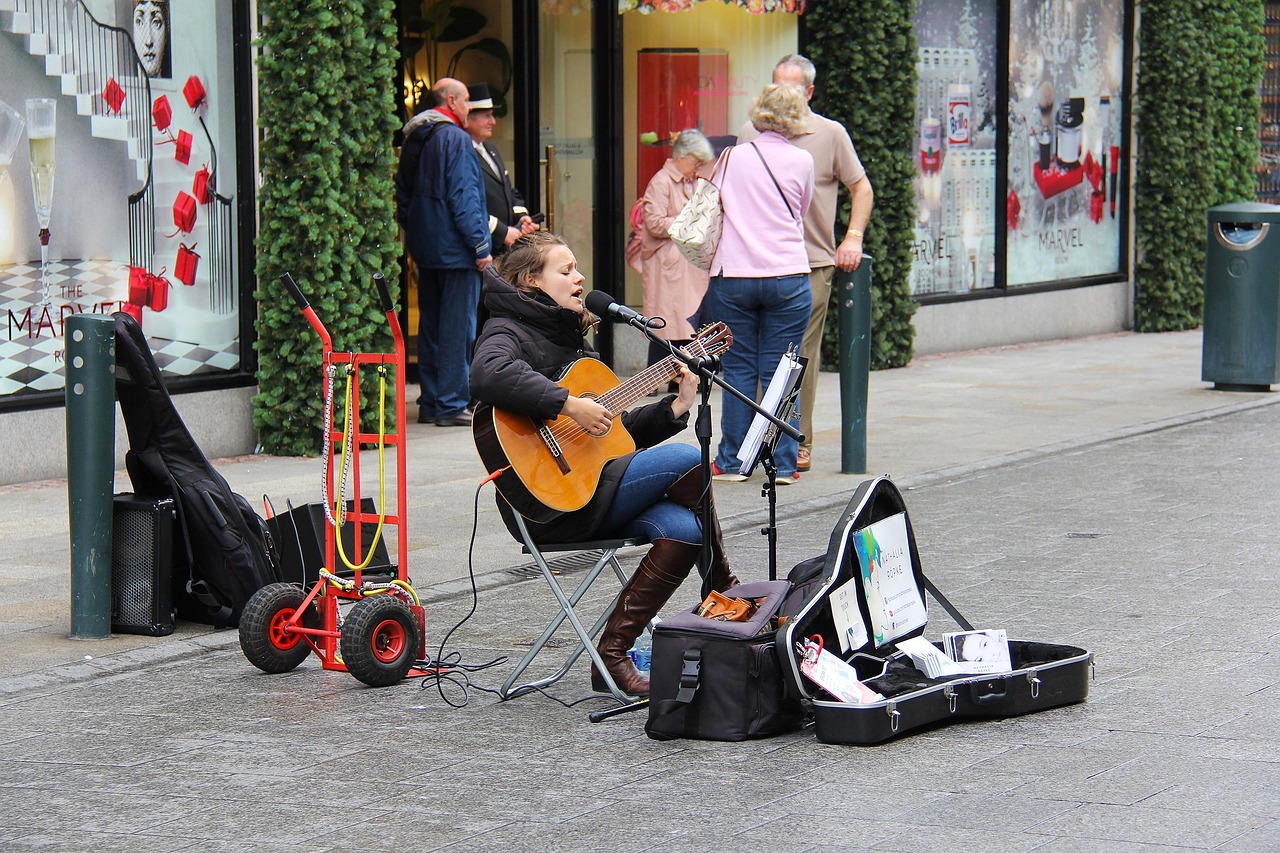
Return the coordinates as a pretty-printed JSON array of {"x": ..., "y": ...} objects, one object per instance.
[{"x": 1044, "y": 675}]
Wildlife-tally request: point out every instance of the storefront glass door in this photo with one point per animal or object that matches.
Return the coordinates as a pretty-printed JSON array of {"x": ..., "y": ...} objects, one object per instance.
[{"x": 566, "y": 93}]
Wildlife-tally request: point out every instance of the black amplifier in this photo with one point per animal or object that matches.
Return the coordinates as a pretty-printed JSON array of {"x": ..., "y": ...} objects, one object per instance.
[{"x": 142, "y": 539}]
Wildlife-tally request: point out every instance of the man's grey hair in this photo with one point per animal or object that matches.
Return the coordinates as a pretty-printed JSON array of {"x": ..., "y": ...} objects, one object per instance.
[
  {"x": 694, "y": 144},
  {"x": 807, "y": 70}
]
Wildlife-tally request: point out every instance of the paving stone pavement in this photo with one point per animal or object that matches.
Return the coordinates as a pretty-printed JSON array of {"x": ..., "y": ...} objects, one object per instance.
[
  {"x": 1083, "y": 492},
  {"x": 1155, "y": 549}
]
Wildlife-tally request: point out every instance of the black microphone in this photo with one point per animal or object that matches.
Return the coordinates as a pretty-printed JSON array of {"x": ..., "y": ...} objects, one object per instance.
[{"x": 602, "y": 305}]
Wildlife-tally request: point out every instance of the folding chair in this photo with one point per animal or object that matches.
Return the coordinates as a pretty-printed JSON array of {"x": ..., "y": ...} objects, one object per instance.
[{"x": 586, "y": 639}]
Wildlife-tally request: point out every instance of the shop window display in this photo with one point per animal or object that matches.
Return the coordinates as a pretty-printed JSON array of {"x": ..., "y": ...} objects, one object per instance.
[
  {"x": 1062, "y": 209},
  {"x": 1066, "y": 117},
  {"x": 142, "y": 215},
  {"x": 953, "y": 246}
]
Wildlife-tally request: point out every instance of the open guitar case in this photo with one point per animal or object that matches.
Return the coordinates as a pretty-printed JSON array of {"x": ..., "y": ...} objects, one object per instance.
[{"x": 1045, "y": 675}]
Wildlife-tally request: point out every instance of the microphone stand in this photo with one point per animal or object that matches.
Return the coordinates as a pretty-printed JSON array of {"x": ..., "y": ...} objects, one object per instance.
[{"x": 707, "y": 370}]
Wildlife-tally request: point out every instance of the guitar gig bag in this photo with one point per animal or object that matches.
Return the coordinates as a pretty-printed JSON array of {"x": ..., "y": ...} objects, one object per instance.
[{"x": 224, "y": 542}]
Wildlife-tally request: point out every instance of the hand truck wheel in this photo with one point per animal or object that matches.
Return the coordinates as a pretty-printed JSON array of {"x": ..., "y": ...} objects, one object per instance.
[
  {"x": 263, "y": 636},
  {"x": 380, "y": 639}
]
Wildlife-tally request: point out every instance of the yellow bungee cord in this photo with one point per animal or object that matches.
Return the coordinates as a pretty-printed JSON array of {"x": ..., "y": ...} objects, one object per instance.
[{"x": 382, "y": 471}]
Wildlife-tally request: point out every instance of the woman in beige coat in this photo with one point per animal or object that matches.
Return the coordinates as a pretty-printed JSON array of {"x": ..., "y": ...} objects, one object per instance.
[{"x": 673, "y": 287}]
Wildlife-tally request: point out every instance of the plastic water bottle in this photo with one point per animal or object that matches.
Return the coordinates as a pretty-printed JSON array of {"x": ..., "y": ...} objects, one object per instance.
[{"x": 642, "y": 652}]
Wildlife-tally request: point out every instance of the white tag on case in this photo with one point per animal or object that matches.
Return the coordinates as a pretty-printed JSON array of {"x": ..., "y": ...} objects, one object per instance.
[{"x": 834, "y": 675}]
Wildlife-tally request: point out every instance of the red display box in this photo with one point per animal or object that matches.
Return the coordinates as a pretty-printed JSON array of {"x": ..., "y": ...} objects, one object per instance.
[{"x": 679, "y": 88}]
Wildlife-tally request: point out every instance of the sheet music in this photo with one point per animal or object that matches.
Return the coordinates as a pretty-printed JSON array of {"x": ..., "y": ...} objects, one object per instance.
[{"x": 784, "y": 382}]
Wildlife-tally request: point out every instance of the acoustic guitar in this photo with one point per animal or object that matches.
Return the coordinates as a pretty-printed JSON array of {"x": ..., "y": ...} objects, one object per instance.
[{"x": 554, "y": 466}]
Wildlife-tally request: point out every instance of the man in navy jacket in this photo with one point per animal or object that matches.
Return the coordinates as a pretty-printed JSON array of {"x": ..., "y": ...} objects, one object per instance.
[{"x": 441, "y": 205}]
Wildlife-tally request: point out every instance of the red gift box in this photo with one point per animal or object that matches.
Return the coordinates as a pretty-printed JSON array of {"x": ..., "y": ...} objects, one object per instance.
[
  {"x": 134, "y": 311},
  {"x": 194, "y": 92},
  {"x": 184, "y": 212},
  {"x": 139, "y": 286},
  {"x": 113, "y": 95},
  {"x": 159, "y": 293},
  {"x": 200, "y": 186},
  {"x": 185, "y": 268},
  {"x": 182, "y": 148},
  {"x": 1013, "y": 210},
  {"x": 162, "y": 113}
]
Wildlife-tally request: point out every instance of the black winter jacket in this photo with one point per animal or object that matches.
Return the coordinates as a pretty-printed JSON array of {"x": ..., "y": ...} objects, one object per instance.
[{"x": 524, "y": 347}]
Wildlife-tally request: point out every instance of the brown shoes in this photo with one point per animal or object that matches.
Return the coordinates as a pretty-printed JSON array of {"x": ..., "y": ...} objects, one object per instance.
[{"x": 803, "y": 459}]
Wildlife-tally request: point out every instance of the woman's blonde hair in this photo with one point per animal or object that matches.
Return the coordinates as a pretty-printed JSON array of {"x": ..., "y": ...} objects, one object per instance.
[
  {"x": 781, "y": 109},
  {"x": 526, "y": 258}
]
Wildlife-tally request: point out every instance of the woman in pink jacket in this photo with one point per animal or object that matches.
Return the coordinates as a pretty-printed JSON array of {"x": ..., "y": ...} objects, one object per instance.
[
  {"x": 760, "y": 274},
  {"x": 673, "y": 287}
]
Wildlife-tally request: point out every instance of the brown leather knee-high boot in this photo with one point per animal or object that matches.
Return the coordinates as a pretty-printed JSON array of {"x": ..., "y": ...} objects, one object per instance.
[
  {"x": 659, "y": 575},
  {"x": 687, "y": 491}
]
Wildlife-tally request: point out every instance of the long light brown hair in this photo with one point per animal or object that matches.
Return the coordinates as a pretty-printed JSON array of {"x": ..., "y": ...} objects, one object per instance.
[{"x": 526, "y": 258}]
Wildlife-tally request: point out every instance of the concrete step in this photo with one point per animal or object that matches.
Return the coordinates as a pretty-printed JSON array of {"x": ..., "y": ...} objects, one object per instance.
[
  {"x": 110, "y": 127},
  {"x": 18, "y": 23},
  {"x": 57, "y": 64}
]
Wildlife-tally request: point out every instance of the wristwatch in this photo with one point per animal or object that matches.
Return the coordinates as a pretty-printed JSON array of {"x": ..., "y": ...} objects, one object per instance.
[{"x": 854, "y": 232}]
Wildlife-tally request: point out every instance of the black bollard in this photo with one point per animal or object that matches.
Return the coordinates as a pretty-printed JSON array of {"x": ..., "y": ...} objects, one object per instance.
[
  {"x": 853, "y": 291},
  {"x": 91, "y": 448}
]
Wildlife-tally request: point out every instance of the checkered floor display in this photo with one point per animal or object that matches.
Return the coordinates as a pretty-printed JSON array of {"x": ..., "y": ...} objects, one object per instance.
[{"x": 31, "y": 350}]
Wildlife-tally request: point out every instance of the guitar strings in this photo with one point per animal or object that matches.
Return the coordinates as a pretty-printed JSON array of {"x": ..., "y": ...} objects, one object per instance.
[
  {"x": 572, "y": 429},
  {"x": 610, "y": 397}
]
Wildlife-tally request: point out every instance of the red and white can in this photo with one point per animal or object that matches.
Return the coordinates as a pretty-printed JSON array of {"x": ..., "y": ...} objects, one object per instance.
[
  {"x": 959, "y": 112},
  {"x": 930, "y": 145}
]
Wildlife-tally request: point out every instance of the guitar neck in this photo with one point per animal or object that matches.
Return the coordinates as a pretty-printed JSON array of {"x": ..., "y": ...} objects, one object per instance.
[
  {"x": 713, "y": 339},
  {"x": 626, "y": 394}
]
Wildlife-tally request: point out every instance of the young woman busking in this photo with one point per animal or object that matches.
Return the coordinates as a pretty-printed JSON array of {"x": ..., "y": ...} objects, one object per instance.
[{"x": 537, "y": 327}]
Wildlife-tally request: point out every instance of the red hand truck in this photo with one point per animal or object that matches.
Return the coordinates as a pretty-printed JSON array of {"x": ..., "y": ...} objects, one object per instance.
[{"x": 383, "y": 633}]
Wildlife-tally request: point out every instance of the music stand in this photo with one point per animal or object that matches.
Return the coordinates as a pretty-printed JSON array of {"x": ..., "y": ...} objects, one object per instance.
[
  {"x": 763, "y": 435},
  {"x": 706, "y": 368}
]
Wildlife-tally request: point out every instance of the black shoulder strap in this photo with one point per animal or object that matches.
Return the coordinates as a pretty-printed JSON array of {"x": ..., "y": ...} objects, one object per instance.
[
  {"x": 411, "y": 153},
  {"x": 775, "y": 180},
  {"x": 690, "y": 670},
  {"x": 947, "y": 605}
]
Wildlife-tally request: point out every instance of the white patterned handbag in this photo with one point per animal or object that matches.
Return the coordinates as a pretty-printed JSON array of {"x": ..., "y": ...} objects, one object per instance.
[{"x": 696, "y": 229}]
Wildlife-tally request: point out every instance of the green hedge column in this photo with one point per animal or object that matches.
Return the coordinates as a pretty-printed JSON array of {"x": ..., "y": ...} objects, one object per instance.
[
  {"x": 91, "y": 448},
  {"x": 853, "y": 290}
]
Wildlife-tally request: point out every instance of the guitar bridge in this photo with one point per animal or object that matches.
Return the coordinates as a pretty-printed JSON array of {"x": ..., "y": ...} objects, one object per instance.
[{"x": 554, "y": 446}]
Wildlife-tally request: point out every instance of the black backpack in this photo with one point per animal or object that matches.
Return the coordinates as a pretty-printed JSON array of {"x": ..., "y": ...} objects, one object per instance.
[{"x": 223, "y": 541}]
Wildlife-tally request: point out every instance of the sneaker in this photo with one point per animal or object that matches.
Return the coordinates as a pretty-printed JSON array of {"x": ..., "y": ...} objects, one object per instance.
[
  {"x": 803, "y": 459},
  {"x": 462, "y": 419},
  {"x": 787, "y": 479},
  {"x": 717, "y": 474}
]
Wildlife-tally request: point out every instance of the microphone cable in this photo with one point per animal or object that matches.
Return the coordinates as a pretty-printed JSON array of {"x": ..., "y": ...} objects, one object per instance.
[{"x": 449, "y": 668}]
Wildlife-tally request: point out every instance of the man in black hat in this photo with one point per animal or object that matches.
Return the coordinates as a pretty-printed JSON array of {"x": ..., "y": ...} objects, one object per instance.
[{"x": 508, "y": 216}]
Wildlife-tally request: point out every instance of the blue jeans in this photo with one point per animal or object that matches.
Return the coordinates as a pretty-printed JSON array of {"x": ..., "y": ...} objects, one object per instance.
[
  {"x": 641, "y": 504},
  {"x": 765, "y": 315},
  {"x": 447, "y": 302}
]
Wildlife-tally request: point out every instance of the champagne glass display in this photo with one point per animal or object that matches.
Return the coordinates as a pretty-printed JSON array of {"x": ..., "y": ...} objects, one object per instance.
[
  {"x": 11, "y": 124},
  {"x": 42, "y": 120}
]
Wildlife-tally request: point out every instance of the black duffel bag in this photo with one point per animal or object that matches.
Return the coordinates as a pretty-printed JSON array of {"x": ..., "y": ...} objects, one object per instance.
[{"x": 721, "y": 680}]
